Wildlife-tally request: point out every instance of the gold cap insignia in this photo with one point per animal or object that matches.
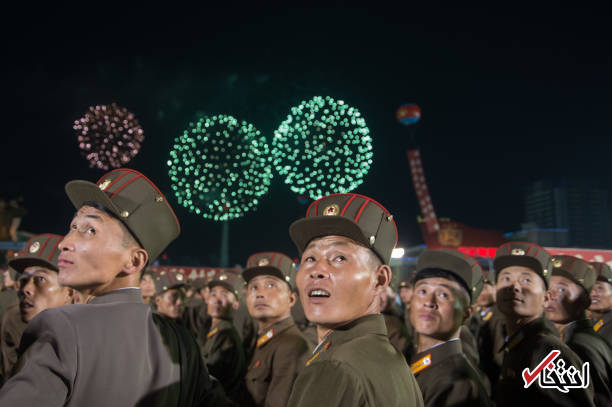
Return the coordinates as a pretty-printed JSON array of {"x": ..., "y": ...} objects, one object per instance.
[
  {"x": 125, "y": 214},
  {"x": 331, "y": 210},
  {"x": 223, "y": 277},
  {"x": 287, "y": 278},
  {"x": 557, "y": 262},
  {"x": 35, "y": 246},
  {"x": 263, "y": 262},
  {"x": 105, "y": 184},
  {"x": 179, "y": 277},
  {"x": 372, "y": 240},
  {"x": 518, "y": 252}
]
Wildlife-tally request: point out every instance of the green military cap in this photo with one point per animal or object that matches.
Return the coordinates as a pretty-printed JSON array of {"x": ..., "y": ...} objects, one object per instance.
[
  {"x": 198, "y": 284},
  {"x": 167, "y": 281},
  {"x": 459, "y": 264},
  {"x": 228, "y": 279},
  {"x": 270, "y": 263},
  {"x": 524, "y": 254},
  {"x": 577, "y": 270},
  {"x": 134, "y": 200},
  {"x": 355, "y": 216},
  {"x": 405, "y": 283},
  {"x": 40, "y": 250},
  {"x": 604, "y": 273}
]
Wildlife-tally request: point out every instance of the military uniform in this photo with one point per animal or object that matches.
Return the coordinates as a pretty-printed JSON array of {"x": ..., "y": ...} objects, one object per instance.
[
  {"x": 222, "y": 350},
  {"x": 280, "y": 355},
  {"x": 491, "y": 339},
  {"x": 355, "y": 365},
  {"x": 580, "y": 336},
  {"x": 398, "y": 334},
  {"x": 447, "y": 377},
  {"x": 528, "y": 347},
  {"x": 447, "y": 373},
  {"x": 10, "y": 335},
  {"x": 603, "y": 324},
  {"x": 112, "y": 351}
]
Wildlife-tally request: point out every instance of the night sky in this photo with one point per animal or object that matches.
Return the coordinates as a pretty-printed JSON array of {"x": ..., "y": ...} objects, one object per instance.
[{"x": 509, "y": 96}]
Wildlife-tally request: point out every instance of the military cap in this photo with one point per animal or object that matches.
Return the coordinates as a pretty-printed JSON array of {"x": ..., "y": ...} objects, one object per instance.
[
  {"x": 167, "y": 281},
  {"x": 524, "y": 254},
  {"x": 270, "y": 263},
  {"x": 40, "y": 250},
  {"x": 229, "y": 280},
  {"x": 459, "y": 264},
  {"x": 575, "y": 269},
  {"x": 355, "y": 216},
  {"x": 136, "y": 202},
  {"x": 604, "y": 273},
  {"x": 198, "y": 284}
]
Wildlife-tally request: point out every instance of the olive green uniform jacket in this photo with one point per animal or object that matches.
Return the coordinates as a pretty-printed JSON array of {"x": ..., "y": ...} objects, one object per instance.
[
  {"x": 224, "y": 358},
  {"x": 592, "y": 348},
  {"x": 398, "y": 334},
  {"x": 603, "y": 326},
  {"x": 491, "y": 339},
  {"x": 527, "y": 348},
  {"x": 356, "y": 366},
  {"x": 446, "y": 377},
  {"x": 110, "y": 352},
  {"x": 10, "y": 335},
  {"x": 196, "y": 319},
  {"x": 280, "y": 354}
]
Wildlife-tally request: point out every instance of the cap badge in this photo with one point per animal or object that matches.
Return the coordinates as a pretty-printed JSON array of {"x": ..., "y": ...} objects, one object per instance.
[
  {"x": 518, "y": 252},
  {"x": 35, "y": 246},
  {"x": 263, "y": 262},
  {"x": 223, "y": 277},
  {"x": 179, "y": 277},
  {"x": 558, "y": 263},
  {"x": 105, "y": 184},
  {"x": 331, "y": 210}
]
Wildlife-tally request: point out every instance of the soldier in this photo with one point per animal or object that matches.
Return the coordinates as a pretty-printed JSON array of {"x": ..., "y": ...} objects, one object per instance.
[
  {"x": 39, "y": 290},
  {"x": 168, "y": 295},
  {"x": 523, "y": 272},
  {"x": 568, "y": 299},
  {"x": 396, "y": 329},
  {"x": 147, "y": 287},
  {"x": 113, "y": 350},
  {"x": 601, "y": 302},
  {"x": 445, "y": 285},
  {"x": 8, "y": 294},
  {"x": 345, "y": 242},
  {"x": 281, "y": 349},
  {"x": 223, "y": 350},
  {"x": 195, "y": 316}
]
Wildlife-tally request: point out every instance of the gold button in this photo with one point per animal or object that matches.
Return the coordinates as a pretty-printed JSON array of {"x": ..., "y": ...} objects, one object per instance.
[{"x": 125, "y": 214}]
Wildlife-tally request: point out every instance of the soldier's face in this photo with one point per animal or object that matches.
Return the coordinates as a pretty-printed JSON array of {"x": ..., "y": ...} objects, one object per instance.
[
  {"x": 564, "y": 301},
  {"x": 337, "y": 282},
  {"x": 39, "y": 290},
  {"x": 437, "y": 309},
  {"x": 487, "y": 296},
  {"x": 169, "y": 303},
  {"x": 406, "y": 295},
  {"x": 601, "y": 297},
  {"x": 269, "y": 299},
  {"x": 92, "y": 254},
  {"x": 520, "y": 292},
  {"x": 147, "y": 286},
  {"x": 221, "y": 302}
]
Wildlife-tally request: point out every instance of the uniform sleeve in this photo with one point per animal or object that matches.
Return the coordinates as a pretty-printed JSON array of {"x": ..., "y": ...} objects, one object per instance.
[
  {"x": 47, "y": 368},
  {"x": 284, "y": 371},
  {"x": 221, "y": 355},
  {"x": 461, "y": 392},
  {"x": 327, "y": 383}
]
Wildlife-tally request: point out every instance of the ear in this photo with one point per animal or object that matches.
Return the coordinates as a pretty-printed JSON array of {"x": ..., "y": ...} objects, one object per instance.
[
  {"x": 157, "y": 300},
  {"x": 292, "y": 299},
  {"x": 137, "y": 261},
  {"x": 382, "y": 276},
  {"x": 468, "y": 312},
  {"x": 236, "y": 304}
]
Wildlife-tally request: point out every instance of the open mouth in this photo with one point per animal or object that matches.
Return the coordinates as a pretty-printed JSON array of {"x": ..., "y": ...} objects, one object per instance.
[
  {"x": 318, "y": 293},
  {"x": 25, "y": 305}
]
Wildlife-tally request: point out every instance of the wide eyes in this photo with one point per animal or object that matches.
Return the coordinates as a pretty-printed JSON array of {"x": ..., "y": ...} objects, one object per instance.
[{"x": 90, "y": 230}]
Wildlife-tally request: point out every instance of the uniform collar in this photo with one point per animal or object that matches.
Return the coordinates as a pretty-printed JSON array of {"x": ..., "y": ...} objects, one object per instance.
[
  {"x": 128, "y": 295},
  {"x": 529, "y": 330},
  {"x": 605, "y": 319},
  {"x": 573, "y": 327},
  {"x": 435, "y": 354},
  {"x": 274, "y": 330},
  {"x": 366, "y": 325}
]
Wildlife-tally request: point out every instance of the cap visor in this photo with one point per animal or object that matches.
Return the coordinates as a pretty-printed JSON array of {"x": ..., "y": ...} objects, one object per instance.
[
  {"x": 303, "y": 231},
  {"x": 21, "y": 263},
  {"x": 80, "y": 192},
  {"x": 251, "y": 273}
]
